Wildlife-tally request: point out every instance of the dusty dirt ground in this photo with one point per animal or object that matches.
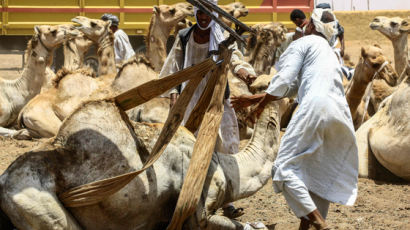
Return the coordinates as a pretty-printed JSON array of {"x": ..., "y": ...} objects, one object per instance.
[{"x": 379, "y": 205}]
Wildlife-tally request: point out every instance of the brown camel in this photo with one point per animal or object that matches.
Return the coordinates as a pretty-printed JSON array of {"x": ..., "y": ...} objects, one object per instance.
[
  {"x": 99, "y": 32},
  {"x": 396, "y": 30},
  {"x": 371, "y": 61},
  {"x": 164, "y": 19},
  {"x": 263, "y": 45},
  {"x": 235, "y": 9},
  {"x": 74, "y": 52}
]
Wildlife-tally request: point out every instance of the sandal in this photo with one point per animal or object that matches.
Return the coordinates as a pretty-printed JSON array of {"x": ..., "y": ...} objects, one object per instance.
[{"x": 232, "y": 212}]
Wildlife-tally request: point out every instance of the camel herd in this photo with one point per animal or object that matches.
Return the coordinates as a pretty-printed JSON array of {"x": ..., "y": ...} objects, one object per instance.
[{"x": 90, "y": 138}]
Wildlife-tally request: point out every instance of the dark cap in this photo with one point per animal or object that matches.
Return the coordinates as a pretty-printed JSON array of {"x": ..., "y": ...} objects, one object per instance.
[{"x": 323, "y": 6}]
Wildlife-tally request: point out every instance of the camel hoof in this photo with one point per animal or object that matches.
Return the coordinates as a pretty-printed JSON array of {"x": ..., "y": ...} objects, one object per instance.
[{"x": 22, "y": 134}]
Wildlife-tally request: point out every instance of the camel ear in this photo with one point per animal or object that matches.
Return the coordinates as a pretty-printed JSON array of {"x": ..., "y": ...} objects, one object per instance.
[
  {"x": 156, "y": 10},
  {"x": 108, "y": 24},
  {"x": 364, "y": 53},
  {"x": 405, "y": 25},
  {"x": 37, "y": 29},
  {"x": 377, "y": 45}
]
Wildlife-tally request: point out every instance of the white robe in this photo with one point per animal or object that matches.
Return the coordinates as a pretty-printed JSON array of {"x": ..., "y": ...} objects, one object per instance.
[
  {"x": 122, "y": 46},
  {"x": 319, "y": 146},
  {"x": 228, "y": 141}
]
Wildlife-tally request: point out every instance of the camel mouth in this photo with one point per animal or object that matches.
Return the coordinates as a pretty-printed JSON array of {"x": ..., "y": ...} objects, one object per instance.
[
  {"x": 373, "y": 27},
  {"x": 77, "y": 23}
]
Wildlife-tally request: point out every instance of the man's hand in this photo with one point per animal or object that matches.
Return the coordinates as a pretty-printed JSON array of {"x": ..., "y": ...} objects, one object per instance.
[
  {"x": 173, "y": 99},
  {"x": 246, "y": 76},
  {"x": 241, "y": 101}
]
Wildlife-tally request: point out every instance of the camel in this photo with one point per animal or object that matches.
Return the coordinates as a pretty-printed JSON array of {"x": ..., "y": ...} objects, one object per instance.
[
  {"x": 370, "y": 62},
  {"x": 396, "y": 30},
  {"x": 262, "y": 46},
  {"x": 43, "y": 115},
  {"x": 99, "y": 32},
  {"x": 98, "y": 141},
  {"x": 383, "y": 141},
  {"x": 14, "y": 94},
  {"x": 75, "y": 51},
  {"x": 235, "y": 9},
  {"x": 164, "y": 19}
]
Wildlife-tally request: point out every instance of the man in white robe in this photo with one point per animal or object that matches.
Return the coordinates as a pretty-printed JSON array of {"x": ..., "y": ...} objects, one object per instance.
[
  {"x": 317, "y": 161},
  {"x": 191, "y": 47},
  {"x": 122, "y": 46}
]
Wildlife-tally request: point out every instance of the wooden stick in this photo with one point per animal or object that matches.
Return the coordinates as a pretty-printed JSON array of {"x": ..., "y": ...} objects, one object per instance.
[
  {"x": 198, "y": 113},
  {"x": 97, "y": 191},
  {"x": 155, "y": 88},
  {"x": 203, "y": 150}
]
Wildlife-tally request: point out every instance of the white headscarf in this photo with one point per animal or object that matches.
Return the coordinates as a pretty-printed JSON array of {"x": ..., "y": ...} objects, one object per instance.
[
  {"x": 216, "y": 35},
  {"x": 329, "y": 30}
]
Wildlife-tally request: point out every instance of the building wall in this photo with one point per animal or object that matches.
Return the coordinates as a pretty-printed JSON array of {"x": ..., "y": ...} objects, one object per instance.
[{"x": 353, "y": 5}]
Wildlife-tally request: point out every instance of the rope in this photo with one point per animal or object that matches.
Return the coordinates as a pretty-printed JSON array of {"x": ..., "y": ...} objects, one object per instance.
[{"x": 366, "y": 105}]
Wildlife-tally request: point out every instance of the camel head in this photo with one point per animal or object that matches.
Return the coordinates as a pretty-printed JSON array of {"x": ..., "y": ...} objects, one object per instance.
[
  {"x": 373, "y": 59},
  {"x": 392, "y": 28},
  {"x": 93, "y": 29},
  {"x": 173, "y": 14},
  {"x": 263, "y": 44},
  {"x": 52, "y": 36},
  {"x": 235, "y": 9}
]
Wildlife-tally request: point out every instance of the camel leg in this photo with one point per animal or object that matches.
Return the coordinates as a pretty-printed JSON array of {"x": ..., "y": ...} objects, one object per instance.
[
  {"x": 223, "y": 223},
  {"x": 41, "y": 123},
  {"x": 16, "y": 134},
  {"x": 36, "y": 209}
]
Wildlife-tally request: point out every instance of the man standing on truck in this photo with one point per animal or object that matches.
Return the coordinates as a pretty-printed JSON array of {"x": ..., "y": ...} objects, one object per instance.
[
  {"x": 122, "y": 46},
  {"x": 192, "y": 46}
]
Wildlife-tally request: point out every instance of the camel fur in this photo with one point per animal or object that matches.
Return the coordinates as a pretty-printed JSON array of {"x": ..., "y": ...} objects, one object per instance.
[
  {"x": 98, "y": 141},
  {"x": 371, "y": 60},
  {"x": 14, "y": 94}
]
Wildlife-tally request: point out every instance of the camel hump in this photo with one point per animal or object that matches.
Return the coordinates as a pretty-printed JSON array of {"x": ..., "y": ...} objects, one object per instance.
[{"x": 94, "y": 130}]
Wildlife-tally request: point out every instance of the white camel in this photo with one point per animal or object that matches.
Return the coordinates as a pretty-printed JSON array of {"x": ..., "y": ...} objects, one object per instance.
[{"x": 97, "y": 141}]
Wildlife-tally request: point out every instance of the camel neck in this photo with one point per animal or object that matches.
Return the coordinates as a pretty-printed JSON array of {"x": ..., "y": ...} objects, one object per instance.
[
  {"x": 29, "y": 84},
  {"x": 401, "y": 53},
  {"x": 106, "y": 57},
  {"x": 156, "y": 42},
  {"x": 250, "y": 169},
  {"x": 357, "y": 88},
  {"x": 72, "y": 59}
]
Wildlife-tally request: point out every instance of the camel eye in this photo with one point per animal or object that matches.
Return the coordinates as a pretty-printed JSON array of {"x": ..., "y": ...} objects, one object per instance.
[
  {"x": 54, "y": 33},
  {"x": 172, "y": 11},
  {"x": 393, "y": 24},
  {"x": 231, "y": 12},
  {"x": 376, "y": 20},
  {"x": 93, "y": 24}
]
